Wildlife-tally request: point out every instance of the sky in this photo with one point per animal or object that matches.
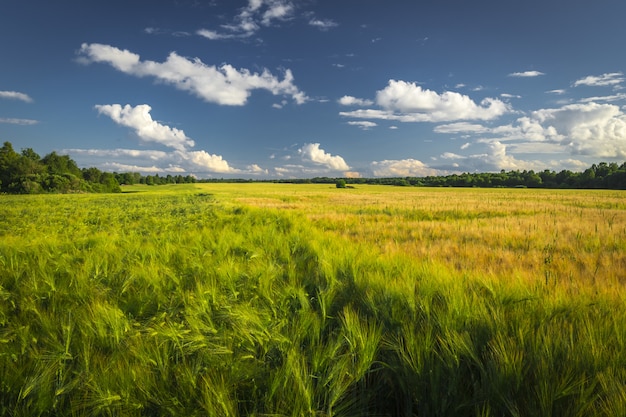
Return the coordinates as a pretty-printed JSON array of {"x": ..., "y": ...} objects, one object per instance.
[{"x": 306, "y": 88}]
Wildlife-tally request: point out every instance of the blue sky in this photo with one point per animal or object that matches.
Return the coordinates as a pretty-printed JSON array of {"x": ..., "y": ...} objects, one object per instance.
[{"x": 304, "y": 88}]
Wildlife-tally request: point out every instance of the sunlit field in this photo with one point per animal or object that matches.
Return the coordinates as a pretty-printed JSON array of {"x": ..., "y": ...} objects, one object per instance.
[{"x": 308, "y": 300}]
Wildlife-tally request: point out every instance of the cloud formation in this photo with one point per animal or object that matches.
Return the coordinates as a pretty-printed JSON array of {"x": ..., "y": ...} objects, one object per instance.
[
  {"x": 401, "y": 168},
  {"x": 14, "y": 95},
  {"x": 182, "y": 159},
  {"x": 353, "y": 101},
  {"x": 588, "y": 128},
  {"x": 409, "y": 102},
  {"x": 494, "y": 158},
  {"x": 311, "y": 152},
  {"x": 139, "y": 119},
  {"x": 323, "y": 24},
  {"x": 364, "y": 125},
  {"x": 251, "y": 18},
  {"x": 604, "y": 80},
  {"x": 152, "y": 161},
  {"x": 593, "y": 129},
  {"x": 526, "y": 74},
  {"x": 223, "y": 85},
  {"x": 21, "y": 122}
]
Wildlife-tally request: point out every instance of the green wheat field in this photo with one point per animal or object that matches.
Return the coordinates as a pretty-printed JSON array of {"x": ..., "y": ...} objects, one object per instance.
[{"x": 308, "y": 300}]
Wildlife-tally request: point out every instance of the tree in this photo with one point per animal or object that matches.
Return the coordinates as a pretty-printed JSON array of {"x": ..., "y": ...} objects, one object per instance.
[
  {"x": 8, "y": 161},
  {"x": 340, "y": 183}
]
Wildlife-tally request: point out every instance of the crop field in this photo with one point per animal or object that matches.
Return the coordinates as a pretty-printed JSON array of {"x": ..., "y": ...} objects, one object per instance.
[{"x": 308, "y": 300}]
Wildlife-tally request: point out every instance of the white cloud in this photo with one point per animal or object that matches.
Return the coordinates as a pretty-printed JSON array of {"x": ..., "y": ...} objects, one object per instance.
[
  {"x": 223, "y": 85},
  {"x": 494, "y": 158},
  {"x": 139, "y": 119},
  {"x": 353, "y": 101},
  {"x": 608, "y": 79},
  {"x": 410, "y": 98},
  {"x": 409, "y": 102},
  {"x": 313, "y": 153},
  {"x": 204, "y": 161},
  {"x": 401, "y": 168},
  {"x": 526, "y": 74},
  {"x": 461, "y": 127},
  {"x": 276, "y": 10},
  {"x": 323, "y": 24},
  {"x": 593, "y": 129},
  {"x": 250, "y": 19},
  {"x": 365, "y": 125},
  {"x": 506, "y": 95},
  {"x": 14, "y": 95},
  {"x": 614, "y": 97},
  {"x": 181, "y": 159},
  {"x": 256, "y": 170},
  {"x": 21, "y": 122},
  {"x": 213, "y": 35},
  {"x": 151, "y": 161},
  {"x": 558, "y": 92}
]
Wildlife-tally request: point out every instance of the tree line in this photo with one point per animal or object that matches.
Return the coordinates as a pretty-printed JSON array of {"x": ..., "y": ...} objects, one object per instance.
[
  {"x": 602, "y": 176},
  {"x": 28, "y": 173}
]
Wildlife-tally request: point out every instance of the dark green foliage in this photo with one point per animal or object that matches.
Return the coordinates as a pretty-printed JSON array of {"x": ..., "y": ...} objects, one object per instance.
[
  {"x": 602, "y": 175},
  {"x": 27, "y": 173}
]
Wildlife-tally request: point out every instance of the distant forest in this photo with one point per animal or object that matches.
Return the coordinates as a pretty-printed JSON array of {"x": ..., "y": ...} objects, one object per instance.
[{"x": 28, "y": 173}]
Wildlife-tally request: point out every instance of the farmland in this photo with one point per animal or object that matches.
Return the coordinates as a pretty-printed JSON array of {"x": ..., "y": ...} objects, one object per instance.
[{"x": 307, "y": 300}]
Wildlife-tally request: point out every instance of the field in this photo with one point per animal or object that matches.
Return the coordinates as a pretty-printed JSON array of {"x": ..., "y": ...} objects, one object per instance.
[{"x": 308, "y": 300}]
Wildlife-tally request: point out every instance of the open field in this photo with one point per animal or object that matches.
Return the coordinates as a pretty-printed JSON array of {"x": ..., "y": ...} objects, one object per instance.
[{"x": 307, "y": 300}]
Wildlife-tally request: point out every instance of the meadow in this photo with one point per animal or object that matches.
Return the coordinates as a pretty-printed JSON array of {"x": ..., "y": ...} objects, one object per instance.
[{"x": 308, "y": 300}]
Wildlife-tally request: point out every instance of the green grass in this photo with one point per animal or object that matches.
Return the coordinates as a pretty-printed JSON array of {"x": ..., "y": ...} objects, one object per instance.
[{"x": 280, "y": 300}]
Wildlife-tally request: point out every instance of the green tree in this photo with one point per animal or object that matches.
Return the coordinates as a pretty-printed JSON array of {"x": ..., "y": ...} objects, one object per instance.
[
  {"x": 8, "y": 161},
  {"x": 340, "y": 183},
  {"x": 61, "y": 164}
]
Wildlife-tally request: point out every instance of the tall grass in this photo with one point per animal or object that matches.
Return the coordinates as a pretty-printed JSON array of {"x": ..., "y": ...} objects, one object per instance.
[{"x": 274, "y": 300}]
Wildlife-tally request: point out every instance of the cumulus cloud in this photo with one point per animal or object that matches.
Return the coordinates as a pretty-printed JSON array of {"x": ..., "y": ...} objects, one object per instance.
[
  {"x": 526, "y": 74},
  {"x": 311, "y": 152},
  {"x": 591, "y": 129},
  {"x": 152, "y": 161},
  {"x": 494, "y": 158},
  {"x": 14, "y": 95},
  {"x": 181, "y": 159},
  {"x": 353, "y": 101},
  {"x": 409, "y": 102},
  {"x": 413, "y": 99},
  {"x": 223, "y": 85},
  {"x": 608, "y": 79},
  {"x": 139, "y": 119},
  {"x": 21, "y": 122},
  {"x": 364, "y": 125},
  {"x": 401, "y": 168}
]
